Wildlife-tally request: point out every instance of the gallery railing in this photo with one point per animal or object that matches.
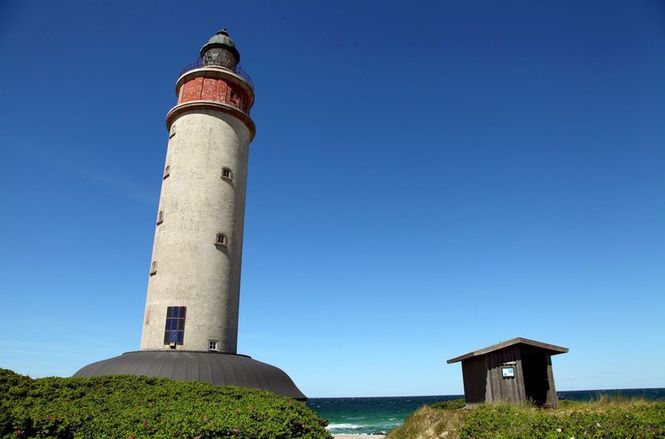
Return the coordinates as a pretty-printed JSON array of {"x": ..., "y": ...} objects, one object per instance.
[{"x": 238, "y": 71}]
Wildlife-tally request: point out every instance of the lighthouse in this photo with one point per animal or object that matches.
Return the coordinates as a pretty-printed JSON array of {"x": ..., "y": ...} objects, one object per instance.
[
  {"x": 194, "y": 283},
  {"x": 190, "y": 326}
]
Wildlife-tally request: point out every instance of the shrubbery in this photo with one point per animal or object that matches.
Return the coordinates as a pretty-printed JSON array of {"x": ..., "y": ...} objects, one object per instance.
[
  {"x": 142, "y": 407},
  {"x": 635, "y": 420},
  {"x": 607, "y": 418}
]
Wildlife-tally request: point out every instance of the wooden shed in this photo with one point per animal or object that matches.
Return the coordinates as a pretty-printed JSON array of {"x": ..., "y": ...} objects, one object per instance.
[{"x": 517, "y": 370}]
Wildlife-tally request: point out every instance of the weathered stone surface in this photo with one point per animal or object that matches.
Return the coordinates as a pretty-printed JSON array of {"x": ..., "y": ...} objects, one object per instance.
[{"x": 197, "y": 204}]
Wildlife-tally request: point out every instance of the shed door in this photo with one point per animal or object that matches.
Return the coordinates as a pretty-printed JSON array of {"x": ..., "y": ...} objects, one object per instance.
[{"x": 536, "y": 384}]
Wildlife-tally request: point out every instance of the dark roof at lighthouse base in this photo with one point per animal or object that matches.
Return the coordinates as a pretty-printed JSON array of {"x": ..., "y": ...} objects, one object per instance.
[{"x": 207, "y": 367}]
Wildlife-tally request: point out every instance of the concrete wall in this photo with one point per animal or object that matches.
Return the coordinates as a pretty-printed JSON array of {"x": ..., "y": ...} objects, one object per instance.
[{"x": 197, "y": 204}]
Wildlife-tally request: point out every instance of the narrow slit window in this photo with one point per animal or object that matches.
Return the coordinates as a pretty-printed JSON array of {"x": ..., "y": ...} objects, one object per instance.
[
  {"x": 167, "y": 171},
  {"x": 221, "y": 240},
  {"x": 160, "y": 217},
  {"x": 153, "y": 268},
  {"x": 227, "y": 174},
  {"x": 212, "y": 345},
  {"x": 172, "y": 132},
  {"x": 235, "y": 98},
  {"x": 174, "y": 331}
]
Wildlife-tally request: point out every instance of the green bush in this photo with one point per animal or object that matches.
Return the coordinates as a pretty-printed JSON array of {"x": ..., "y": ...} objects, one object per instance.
[
  {"x": 625, "y": 419},
  {"x": 143, "y": 407},
  {"x": 606, "y": 418}
]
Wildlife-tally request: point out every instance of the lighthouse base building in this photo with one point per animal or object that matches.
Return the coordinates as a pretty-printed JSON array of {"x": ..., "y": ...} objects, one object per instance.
[
  {"x": 190, "y": 328},
  {"x": 213, "y": 368}
]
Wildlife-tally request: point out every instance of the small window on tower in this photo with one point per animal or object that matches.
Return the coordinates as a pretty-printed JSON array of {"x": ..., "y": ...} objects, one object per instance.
[
  {"x": 221, "y": 240},
  {"x": 235, "y": 98},
  {"x": 212, "y": 345},
  {"x": 174, "y": 332},
  {"x": 167, "y": 171},
  {"x": 172, "y": 132},
  {"x": 227, "y": 174},
  {"x": 153, "y": 268},
  {"x": 160, "y": 217}
]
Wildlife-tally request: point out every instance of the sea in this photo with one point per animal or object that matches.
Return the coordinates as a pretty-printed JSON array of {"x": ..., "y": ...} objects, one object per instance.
[{"x": 378, "y": 415}]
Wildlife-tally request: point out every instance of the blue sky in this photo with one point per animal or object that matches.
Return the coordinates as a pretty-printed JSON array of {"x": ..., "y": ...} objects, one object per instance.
[{"x": 426, "y": 179}]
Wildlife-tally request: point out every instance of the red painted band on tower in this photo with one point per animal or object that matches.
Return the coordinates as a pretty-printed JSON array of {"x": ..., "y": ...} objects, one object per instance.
[{"x": 216, "y": 90}]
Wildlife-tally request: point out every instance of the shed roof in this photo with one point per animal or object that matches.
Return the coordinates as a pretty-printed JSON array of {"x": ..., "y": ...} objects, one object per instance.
[{"x": 550, "y": 348}]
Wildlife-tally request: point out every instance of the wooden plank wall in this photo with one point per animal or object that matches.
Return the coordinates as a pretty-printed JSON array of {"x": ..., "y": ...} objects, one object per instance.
[
  {"x": 504, "y": 389},
  {"x": 483, "y": 381},
  {"x": 552, "y": 400}
]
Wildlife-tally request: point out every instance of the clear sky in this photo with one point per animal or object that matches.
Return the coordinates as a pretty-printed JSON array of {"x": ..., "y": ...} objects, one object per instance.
[{"x": 427, "y": 179}]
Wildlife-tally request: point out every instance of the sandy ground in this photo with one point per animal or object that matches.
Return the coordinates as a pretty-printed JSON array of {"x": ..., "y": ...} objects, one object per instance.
[{"x": 358, "y": 436}]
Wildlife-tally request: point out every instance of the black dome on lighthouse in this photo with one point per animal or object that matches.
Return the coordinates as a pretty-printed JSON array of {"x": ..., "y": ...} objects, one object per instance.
[{"x": 220, "y": 50}]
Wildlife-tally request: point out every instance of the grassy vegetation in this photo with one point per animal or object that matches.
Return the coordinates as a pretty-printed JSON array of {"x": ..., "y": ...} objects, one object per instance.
[
  {"x": 605, "y": 418},
  {"x": 141, "y": 407}
]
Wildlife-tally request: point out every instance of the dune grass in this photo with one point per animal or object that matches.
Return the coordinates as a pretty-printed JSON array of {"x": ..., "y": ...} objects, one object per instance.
[{"x": 605, "y": 417}]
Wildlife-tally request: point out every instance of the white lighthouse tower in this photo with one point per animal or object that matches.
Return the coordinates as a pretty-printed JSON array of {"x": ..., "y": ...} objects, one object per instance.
[
  {"x": 190, "y": 327},
  {"x": 194, "y": 286}
]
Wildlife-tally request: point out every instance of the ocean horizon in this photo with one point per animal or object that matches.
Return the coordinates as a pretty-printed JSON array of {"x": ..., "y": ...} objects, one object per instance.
[{"x": 380, "y": 414}]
